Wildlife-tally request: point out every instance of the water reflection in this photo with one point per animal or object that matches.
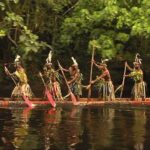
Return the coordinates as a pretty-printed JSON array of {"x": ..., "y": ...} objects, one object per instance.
[
  {"x": 5, "y": 128},
  {"x": 139, "y": 129},
  {"x": 65, "y": 129},
  {"x": 20, "y": 127},
  {"x": 74, "y": 128}
]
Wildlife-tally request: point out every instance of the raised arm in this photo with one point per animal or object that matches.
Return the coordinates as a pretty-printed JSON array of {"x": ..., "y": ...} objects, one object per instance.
[
  {"x": 7, "y": 71},
  {"x": 66, "y": 70},
  {"x": 131, "y": 69},
  {"x": 94, "y": 62},
  {"x": 100, "y": 77},
  {"x": 73, "y": 79}
]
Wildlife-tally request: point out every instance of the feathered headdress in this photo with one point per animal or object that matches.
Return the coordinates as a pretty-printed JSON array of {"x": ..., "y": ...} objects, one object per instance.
[
  {"x": 103, "y": 62},
  {"x": 74, "y": 61},
  {"x": 17, "y": 60},
  {"x": 137, "y": 60},
  {"x": 49, "y": 58}
]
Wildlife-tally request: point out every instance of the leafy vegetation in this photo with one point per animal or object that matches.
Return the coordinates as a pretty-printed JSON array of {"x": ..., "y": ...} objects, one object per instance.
[
  {"x": 117, "y": 26},
  {"x": 118, "y": 29},
  {"x": 113, "y": 24}
]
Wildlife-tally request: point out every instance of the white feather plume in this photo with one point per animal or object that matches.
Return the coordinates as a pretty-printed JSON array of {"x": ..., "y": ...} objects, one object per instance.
[
  {"x": 104, "y": 60},
  {"x": 137, "y": 59},
  {"x": 17, "y": 58},
  {"x": 74, "y": 61},
  {"x": 140, "y": 61},
  {"x": 49, "y": 58}
]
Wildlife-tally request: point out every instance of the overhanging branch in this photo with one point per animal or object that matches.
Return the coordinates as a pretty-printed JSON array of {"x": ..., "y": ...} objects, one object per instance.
[{"x": 9, "y": 37}]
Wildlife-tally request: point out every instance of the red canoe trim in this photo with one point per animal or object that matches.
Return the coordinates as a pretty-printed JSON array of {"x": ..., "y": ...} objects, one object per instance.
[{"x": 5, "y": 102}]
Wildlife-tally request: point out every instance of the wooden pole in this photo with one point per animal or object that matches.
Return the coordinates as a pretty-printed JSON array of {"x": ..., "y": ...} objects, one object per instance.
[
  {"x": 42, "y": 78},
  {"x": 91, "y": 71},
  {"x": 123, "y": 80},
  {"x": 7, "y": 71},
  {"x": 73, "y": 98},
  {"x": 47, "y": 92}
]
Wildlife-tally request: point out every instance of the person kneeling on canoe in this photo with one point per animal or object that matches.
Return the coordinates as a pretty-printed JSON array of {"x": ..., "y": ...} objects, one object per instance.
[
  {"x": 139, "y": 88},
  {"x": 53, "y": 78},
  {"x": 19, "y": 77},
  {"x": 104, "y": 82},
  {"x": 75, "y": 79}
]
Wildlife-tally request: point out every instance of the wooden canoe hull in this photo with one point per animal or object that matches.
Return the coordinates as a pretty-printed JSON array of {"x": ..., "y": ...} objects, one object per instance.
[{"x": 39, "y": 102}]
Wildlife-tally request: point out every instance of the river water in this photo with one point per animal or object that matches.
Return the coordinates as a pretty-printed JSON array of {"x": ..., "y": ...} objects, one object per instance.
[{"x": 74, "y": 128}]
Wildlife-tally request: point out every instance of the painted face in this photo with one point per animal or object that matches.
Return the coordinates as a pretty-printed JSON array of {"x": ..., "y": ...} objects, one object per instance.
[
  {"x": 17, "y": 64},
  {"x": 137, "y": 66},
  {"x": 18, "y": 67},
  {"x": 74, "y": 67},
  {"x": 102, "y": 67},
  {"x": 49, "y": 66}
]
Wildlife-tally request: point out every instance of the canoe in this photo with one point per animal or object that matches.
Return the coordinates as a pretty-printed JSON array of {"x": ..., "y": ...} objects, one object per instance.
[{"x": 40, "y": 102}]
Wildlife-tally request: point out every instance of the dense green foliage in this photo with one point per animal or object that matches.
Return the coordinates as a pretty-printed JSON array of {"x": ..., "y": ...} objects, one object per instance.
[
  {"x": 118, "y": 29},
  {"x": 117, "y": 26}
]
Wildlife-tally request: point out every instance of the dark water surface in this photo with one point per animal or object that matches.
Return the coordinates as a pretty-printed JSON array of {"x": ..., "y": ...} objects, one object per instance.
[{"x": 74, "y": 129}]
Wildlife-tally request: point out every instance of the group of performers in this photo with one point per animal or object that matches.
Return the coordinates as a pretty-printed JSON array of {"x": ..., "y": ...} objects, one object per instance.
[{"x": 52, "y": 79}]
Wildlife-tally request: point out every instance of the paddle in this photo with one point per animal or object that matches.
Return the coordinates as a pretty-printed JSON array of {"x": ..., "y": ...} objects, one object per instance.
[
  {"x": 48, "y": 94},
  {"x": 7, "y": 71},
  {"x": 91, "y": 71},
  {"x": 73, "y": 98},
  {"x": 26, "y": 99}
]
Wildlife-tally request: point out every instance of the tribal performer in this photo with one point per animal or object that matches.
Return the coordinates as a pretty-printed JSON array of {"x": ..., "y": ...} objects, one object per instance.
[
  {"x": 75, "y": 79},
  {"x": 139, "y": 88},
  {"x": 104, "y": 82},
  {"x": 19, "y": 77},
  {"x": 53, "y": 78}
]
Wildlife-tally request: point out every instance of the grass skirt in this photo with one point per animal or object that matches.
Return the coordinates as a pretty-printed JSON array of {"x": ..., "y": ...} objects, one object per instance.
[
  {"x": 106, "y": 90},
  {"x": 139, "y": 90},
  {"x": 76, "y": 88},
  {"x": 55, "y": 90},
  {"x": 22, "y": 89}
]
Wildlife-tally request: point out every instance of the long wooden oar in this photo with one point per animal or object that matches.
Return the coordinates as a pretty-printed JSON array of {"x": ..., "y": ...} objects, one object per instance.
[
  {"x": 73, "y": 98},
  {"x": 26, "y": 99},
  {"x": 91, "y": 71},
  {"x": 123, "y": 80},
  {"x": 6, "y": 69},
  {"x": 48, "y": 94}
]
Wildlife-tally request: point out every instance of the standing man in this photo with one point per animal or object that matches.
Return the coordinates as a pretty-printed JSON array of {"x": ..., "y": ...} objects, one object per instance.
[
  {"x": 52, "y": 77},
  {"x": 136, "y": 74},
  {"x": 22, "y": 87},
  {"x": 103, "y": 82},
  {"x": 75, "y": 79}
]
